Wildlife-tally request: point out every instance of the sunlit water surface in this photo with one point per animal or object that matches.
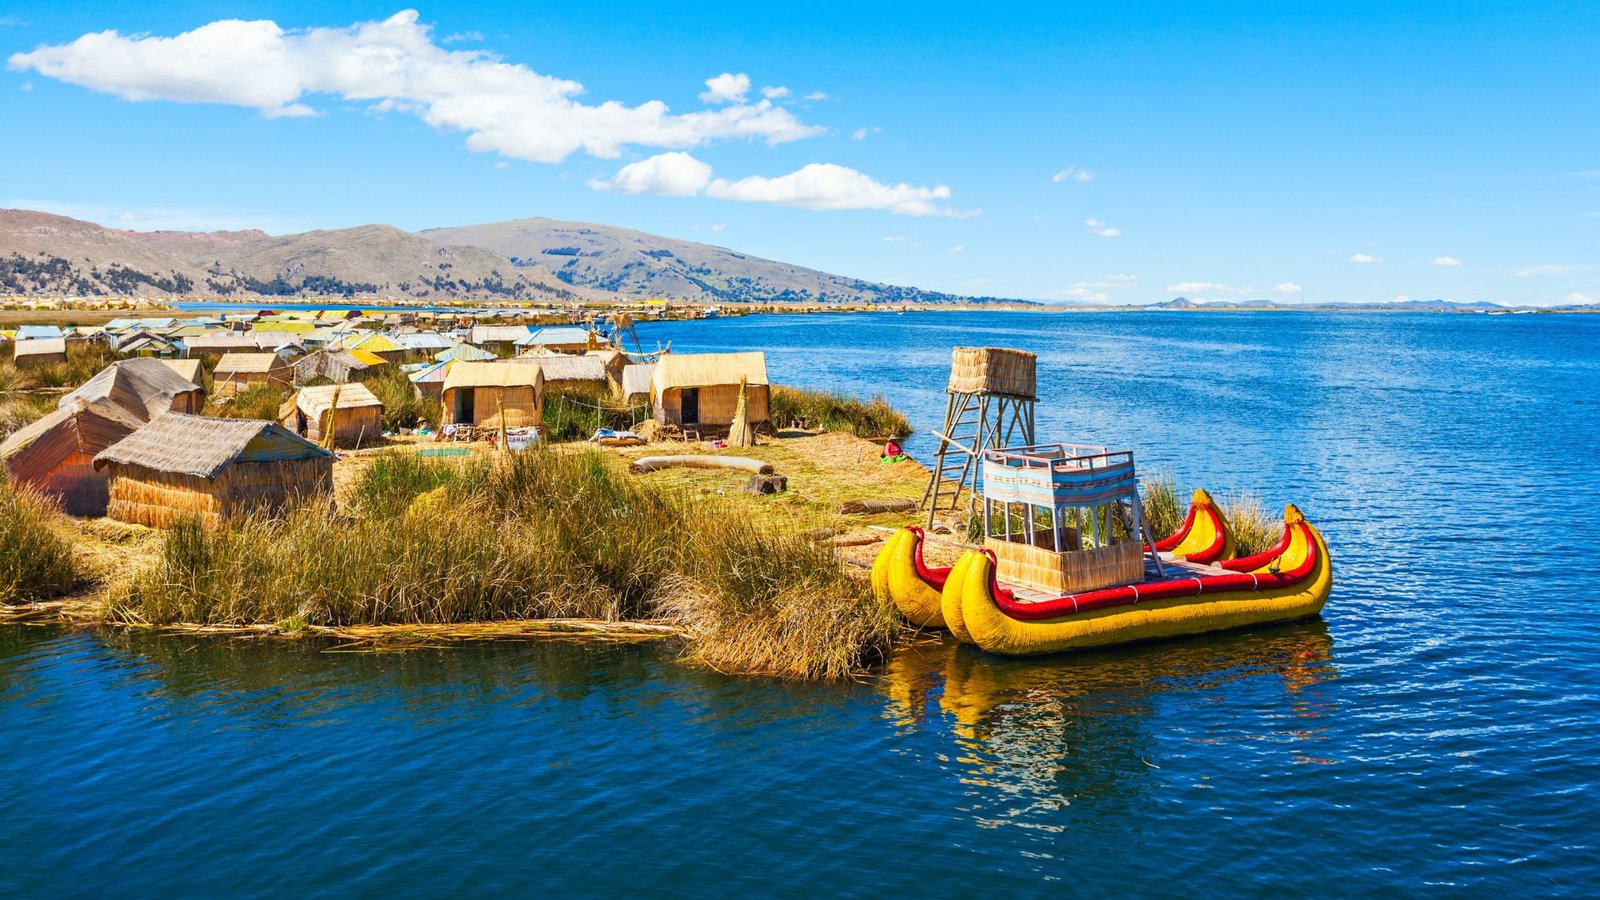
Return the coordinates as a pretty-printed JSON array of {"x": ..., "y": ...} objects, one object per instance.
[{"x": 1439, "y": 726}]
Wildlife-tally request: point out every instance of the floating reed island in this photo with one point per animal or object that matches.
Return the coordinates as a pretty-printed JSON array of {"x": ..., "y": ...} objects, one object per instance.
[{"x": 400, "y": 487}]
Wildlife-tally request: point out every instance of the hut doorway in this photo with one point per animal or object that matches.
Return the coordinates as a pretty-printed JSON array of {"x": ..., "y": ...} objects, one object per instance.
[
  {"x": 691, "y": 406},
  {"x": 466, "y": 406}
]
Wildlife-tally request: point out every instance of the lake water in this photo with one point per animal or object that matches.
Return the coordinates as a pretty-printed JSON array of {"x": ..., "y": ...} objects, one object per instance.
[{"x": 1438, "y": 728}]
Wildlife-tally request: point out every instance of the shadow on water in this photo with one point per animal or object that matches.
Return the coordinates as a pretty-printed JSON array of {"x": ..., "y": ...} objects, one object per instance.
[{"x": 1030, "y": 736}]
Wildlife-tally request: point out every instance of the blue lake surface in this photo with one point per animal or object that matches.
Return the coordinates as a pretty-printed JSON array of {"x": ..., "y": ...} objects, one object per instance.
[{"x": 1437, "y": 730}]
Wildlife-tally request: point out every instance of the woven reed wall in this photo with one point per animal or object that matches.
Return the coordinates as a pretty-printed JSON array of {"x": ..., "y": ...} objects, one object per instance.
[
  {"x": 355, "y": 425},
  {"x": 1069, "y": 571},
  {"x": 81, "y": 490},
  {"x": 522, "y": 404},
  {"x": 717, "y": 405},
  {"x": 157, "y": 499},
  {"x": 993, "y": 370}
]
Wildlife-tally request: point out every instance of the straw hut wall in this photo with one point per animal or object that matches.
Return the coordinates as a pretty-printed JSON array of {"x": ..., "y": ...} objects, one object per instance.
[
  {"x": 217, "y": 469},
  {"x": 39, "y": 352},
  {"x": 358, "y": 419},
  {"x": 145, "y": 388},
  {"x": 238, "y": 371},
  {"x": 55, "y": 454},
  {"x": 703, "y": 388},
  {"x": 475, "y": 393}
]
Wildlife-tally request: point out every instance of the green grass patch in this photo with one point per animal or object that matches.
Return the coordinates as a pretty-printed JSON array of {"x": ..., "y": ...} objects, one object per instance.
[
  {"x": 258, "y": 401},
  {"x": 836, "y": 412}
]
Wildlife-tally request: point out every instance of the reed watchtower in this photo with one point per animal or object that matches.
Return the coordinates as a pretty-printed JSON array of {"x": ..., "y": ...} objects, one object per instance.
[{"x": 992, "y": 392}]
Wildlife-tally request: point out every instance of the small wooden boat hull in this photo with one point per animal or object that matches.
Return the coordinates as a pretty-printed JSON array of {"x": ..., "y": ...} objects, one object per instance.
[
  {"x": 1289, "y": 582},
  {"x": 899, "y": 576}
]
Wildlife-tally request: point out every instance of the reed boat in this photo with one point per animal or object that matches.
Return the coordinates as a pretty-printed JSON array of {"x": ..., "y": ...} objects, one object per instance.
[
  {"x": 900, "y": 576},
  {"x": 1287, "y": 582},
  {"x": 1068, "y": 562}
]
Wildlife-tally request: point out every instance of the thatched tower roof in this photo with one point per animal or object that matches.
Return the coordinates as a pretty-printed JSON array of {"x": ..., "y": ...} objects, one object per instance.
[
  {"x": 146, "y": 388},
  {"x": 204, "y": 447}
]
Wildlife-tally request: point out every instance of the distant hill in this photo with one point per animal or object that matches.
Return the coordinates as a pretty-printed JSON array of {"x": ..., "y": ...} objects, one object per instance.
[
  {"x": 48, "y": 254},
  {"x": 648, "y": 265}
]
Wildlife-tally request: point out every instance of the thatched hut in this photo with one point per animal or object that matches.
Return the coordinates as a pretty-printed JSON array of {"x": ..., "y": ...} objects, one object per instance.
[
  {"x": 702, "y": 389},
  {"x": 146, "y": 388},
  {"x": 190, "y": 370},
  {"x": 55, "y": 454},
  {"x": 476, "y": 393},
  {"x": 38, "y": 351},
  {"x": 214, "y": 468},
  {"x": 584, "y": 375},
  {"x": 238, "y": 371},
  {"x": 311, "y": 413},
  {"x": 338, "y": 366},
  {"x": 497, "y": 339},
  {"x": 636, "y": 382}
]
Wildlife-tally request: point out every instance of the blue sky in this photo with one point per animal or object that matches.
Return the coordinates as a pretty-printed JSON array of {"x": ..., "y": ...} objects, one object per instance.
[{"x": 1075, "y": 152}]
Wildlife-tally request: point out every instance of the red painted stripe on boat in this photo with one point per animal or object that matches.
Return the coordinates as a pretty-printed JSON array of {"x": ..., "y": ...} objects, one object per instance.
[{"x": 934, "y": 578}]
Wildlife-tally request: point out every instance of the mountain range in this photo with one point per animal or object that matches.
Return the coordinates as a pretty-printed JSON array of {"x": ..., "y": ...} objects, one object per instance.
[{"x": 533, "y": 260}]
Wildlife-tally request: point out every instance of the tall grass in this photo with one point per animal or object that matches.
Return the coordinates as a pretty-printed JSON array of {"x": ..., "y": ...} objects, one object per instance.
[
  {"x": 36, "y": 562},
  {"x": 1164, "y": 509},
  {"x": 258, "y": 401},
  {"x": 402, "y": 408},
  {"x": 531, "y": 535},
  {"x": 835, "y": 412},
  {"x": 1253, "y": 529},
  {"x": 572, "y": 413},
  {"x": 83, "y": 361}
]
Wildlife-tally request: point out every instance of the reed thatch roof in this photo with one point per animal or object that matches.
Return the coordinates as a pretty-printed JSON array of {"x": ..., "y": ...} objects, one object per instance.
[
  {"x": 32, "y": 451},
  {"x": 494, "y": 334},
  {"x": 314, "y": 401},
  {"x": 248, "y": 364},
  {"x": 560, "y": 367},
  {"x": 636, "y": 379},
  {"x": 494, "y": 374},
  {"x": 687, "y": 370},
  {"x": 146, "y": 388},
  {"x": 204, "y": 447},
  {"x": 190, "y": 370}
]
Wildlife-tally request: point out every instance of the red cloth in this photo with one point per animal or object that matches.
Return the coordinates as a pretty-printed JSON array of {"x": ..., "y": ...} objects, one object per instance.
[{"x": 891, "y": 449}]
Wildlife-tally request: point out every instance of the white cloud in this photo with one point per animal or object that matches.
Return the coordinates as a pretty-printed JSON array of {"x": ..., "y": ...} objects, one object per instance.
[
  {"x": 720, "y": 226},
  {"x": 1576, "y": 297},
  {"x": 1099, "y": 227},
  {"x": 861, "y": 134},
  {"x": 675, "y": 174},
  {"x": 1122, "y": 278},
  {"x": 502, "y": 164},
  {"x": 818, "y": 186},
  {"x": 1547, "y": 269},
  {"x": 462, "y": 37},
  {"x": 817, "y": 96},
  {"x": 1363, "y": 258},
  {"x": 775, "y": 93},
  {"x": 1446, "y": 261},
  {"x": 1199, "y": 287},
  {"x": 958, "y": 249},
  {"x": 1073, "y": 173},
  {"x": 1287, "y": 287},
  {"x": 726, "y": 88},
  {"x": 505, "y": 108}
]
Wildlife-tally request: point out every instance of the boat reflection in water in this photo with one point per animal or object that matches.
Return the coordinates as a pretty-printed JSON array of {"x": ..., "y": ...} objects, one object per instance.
[{"x": 1106, "y": 729}]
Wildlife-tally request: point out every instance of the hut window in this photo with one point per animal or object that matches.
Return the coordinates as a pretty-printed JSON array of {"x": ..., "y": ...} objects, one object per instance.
[{"x": 691, "y": 406}]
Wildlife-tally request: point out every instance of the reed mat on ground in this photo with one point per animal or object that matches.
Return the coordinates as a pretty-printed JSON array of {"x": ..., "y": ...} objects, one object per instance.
[
  {"x": 36, "y": 561},
  {"x": 836, "y": 412},
  {"x": 539, "y": 534}
]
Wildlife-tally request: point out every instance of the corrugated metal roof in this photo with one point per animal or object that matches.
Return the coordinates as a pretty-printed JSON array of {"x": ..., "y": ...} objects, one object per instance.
[
  {"x": 432, "y": 374},
  {"x": 40, "y": 346},
  {"x": 499, "y": 333},
  {"x": 464, "y": 353},
  {"x": 204, "y": 447},
  {"x": 556, "y": 336},
  {"x": 38, "y": 332},
  {"x": 367, "y": 357}
]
